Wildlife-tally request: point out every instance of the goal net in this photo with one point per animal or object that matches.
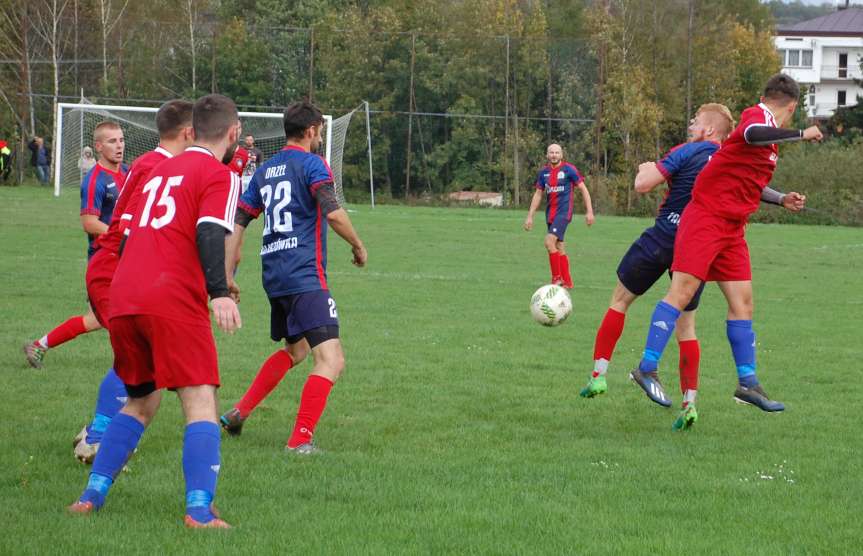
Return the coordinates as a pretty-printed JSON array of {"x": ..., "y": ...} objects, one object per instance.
[{"x": 75, "y": 124}]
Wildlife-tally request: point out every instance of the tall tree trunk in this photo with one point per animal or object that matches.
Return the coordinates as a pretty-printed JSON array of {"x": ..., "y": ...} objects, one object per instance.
[
  {"x": 689, "y": 29},
  {"x": 190, "y": 6}
]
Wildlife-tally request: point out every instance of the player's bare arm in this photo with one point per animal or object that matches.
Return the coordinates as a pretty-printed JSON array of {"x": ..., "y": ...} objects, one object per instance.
[
  {"x": 648, "y": 177},
  {"x": 588, "y": 206},
  {"x": 92, "y": 225},
  {"x": 341, "y": 224},
  {"x": 234, "y": 249},
  {"x": 534, "y": 206}
]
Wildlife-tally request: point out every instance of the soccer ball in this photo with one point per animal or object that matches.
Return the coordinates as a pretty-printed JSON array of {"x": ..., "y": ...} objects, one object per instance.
[{"x": 550, "y": 305}]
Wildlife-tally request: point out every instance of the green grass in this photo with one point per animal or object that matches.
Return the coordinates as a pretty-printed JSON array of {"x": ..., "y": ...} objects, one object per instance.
[{"x": 457, "y": 427}]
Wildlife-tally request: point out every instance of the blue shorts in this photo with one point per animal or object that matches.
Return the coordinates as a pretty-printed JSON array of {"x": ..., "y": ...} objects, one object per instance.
[
  {"x": 646, "y": 261},
  {"x": 292, "y": 316},
  {"x": 558, "y": 226}
]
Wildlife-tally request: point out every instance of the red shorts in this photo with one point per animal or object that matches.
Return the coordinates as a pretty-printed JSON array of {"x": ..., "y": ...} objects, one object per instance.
[
  {"x": 711, "y": 248},
  {"x": 171, "y": 354},
  {"x": 100, "y": 272}
]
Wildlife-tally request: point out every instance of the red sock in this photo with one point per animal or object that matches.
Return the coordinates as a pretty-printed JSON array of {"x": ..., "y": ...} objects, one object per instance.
[
  {"x": 564, "y": 271},
  {"x": 554, "y": 263},
  {"x": 690, "y": 355},
  {"x": 272, "y": 372},
  {"x": 607, "y": 336},
  {"x": 69, "y": 330},
  {"x": 312, "y": 404}
]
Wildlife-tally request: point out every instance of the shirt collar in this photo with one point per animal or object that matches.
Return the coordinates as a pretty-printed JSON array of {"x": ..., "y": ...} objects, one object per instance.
[
  {"x": 202, "y": 150},
  {"x": 769, "y": 111},
  {"x": 163, "y": 151},
  {"x": 294, "y": 148}
]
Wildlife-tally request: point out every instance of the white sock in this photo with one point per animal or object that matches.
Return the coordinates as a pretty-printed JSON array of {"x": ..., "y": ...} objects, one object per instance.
[
  {"x": 43, "y": 341},
  {"x": 689, "y": 397},
  {"x": 600, "y": 366}
]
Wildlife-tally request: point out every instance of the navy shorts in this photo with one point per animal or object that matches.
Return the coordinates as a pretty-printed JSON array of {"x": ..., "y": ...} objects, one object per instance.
[
  {"x": 558, "y": 226},
  {"x": 293, "y": 316},
  {"x": 646, "y": 261}
]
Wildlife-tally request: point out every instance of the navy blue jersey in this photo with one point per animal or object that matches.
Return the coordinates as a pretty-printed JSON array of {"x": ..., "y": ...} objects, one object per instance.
[
  {"x": 100, "y": 189},
  {"x": 294, "y": 250},
  {"x": 559, "y": 184},
  {"x": 680, "y": 166}
]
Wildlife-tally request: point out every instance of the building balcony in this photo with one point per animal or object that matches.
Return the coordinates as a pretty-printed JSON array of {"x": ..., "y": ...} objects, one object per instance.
[{"x": 841, "y": 73}]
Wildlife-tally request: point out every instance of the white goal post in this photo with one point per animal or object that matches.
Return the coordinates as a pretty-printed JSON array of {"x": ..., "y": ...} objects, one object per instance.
[{"x": 75, "y": 123}]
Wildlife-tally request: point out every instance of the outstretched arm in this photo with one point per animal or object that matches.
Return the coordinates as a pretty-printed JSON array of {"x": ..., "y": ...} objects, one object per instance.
[
  {"x": 761, "y": 135},
  {"x": 534, "y": 205},
  {"x": 792, "y": 202},
  {"x": 588, "y": 207}
]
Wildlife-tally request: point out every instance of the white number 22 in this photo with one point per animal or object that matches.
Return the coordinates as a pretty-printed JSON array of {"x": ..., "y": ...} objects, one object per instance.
[
  {"x": 151, "y": 188},
  {"x": 282, "y": 221}
]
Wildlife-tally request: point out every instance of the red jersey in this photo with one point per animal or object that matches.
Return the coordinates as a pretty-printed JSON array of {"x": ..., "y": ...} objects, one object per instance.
[
  {"x": 159, "y": 273},
  {"x": 123, "y": 211},
  {"x": 730, "y": 184},
  {"x": 240, "y": 160}
]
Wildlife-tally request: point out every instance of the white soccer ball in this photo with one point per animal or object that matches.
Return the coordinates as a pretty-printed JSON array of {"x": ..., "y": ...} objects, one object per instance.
[{"x": 550, "y": 305}]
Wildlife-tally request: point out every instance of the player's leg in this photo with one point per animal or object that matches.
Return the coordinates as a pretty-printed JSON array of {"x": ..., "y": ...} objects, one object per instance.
[
  {"x": 111, "y": 398},
  {"x": 133, "y": 358},
  {"x": 564, "y": 260},
  {"x": 329, "y": 362},
  {"x": 690, "y": 355},
  {"x": 606, "y": 339},
  {"x": 550, "y": 243},
  {"x": 274, "y": 368},
  {"x": 201, "y": 454},
  {"x": 73, "y": 327},
  {"x": 662, "y": 324},
  {"x": 269, "y": 376},
  {"x": 741, "y": 336}
]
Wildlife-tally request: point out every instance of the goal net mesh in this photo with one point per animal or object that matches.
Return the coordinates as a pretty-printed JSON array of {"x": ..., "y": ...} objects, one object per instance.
[{"x": 140, "y": 135}]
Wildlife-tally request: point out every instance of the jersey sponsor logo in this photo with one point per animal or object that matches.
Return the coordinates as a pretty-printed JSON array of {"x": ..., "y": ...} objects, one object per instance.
[
  {"x": 279, "y": 245},
  {"x": 555, "y": 189},
  {"x": 673, "y": 217}
]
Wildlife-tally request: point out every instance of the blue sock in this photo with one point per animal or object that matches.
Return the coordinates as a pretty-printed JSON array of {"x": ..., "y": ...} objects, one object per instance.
[
  {"x": 742, "y": 340},
  {"x": 111, "y": 399},
  {"x": 118, "y": 443},
  {"x": 201, "y": 454},
  {"x": 661, "y": 328}
]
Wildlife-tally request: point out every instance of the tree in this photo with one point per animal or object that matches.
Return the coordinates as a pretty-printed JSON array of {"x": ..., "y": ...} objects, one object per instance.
[{"x": 108, "y": 20}]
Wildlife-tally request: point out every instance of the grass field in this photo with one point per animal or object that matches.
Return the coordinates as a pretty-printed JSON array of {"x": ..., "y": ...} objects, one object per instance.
[{"x": 457, "y": 427}]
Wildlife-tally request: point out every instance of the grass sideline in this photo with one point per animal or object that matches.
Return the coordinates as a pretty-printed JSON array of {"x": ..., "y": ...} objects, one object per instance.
[{"x": 457, "y": 427}]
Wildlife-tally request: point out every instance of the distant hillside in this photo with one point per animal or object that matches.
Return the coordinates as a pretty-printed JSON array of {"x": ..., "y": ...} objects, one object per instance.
[{"x": 795, "y": 12}]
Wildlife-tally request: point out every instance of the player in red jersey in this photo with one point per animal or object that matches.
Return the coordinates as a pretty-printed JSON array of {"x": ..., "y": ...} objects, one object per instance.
[
  {"x": 239, "y": 162},
  {"x": 710, "y": 243},
  {"x": 558, "y": 180},
  {"x": 99, "y": 191},
  {"x": 160, "y": 325},
  {"x": 174, "y": 122}
]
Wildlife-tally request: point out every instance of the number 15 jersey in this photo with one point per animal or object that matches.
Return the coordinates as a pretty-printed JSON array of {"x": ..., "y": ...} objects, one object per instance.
[
  {"x": 294, "y": 249},
  {"x": 160, "y": 272}
]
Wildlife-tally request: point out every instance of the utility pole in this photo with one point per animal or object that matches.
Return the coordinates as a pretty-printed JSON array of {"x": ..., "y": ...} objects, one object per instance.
[{"x": 411, "y": 108}]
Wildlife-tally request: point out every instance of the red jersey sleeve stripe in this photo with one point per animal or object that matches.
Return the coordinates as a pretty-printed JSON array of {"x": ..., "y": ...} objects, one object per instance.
[
  {"x": 663, "y": 170},
  {"x": 253, "y": 212}
]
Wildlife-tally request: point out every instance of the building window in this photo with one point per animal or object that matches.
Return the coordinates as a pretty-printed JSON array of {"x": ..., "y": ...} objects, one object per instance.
[
  {"x": 796, "y": 58},
  {"x": 840, "y": 98}
]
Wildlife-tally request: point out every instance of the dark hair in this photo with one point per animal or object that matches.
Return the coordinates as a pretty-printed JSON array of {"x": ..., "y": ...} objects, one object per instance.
[
  {"x": 172, "y": 117},
  {"x": 299, "y": 117},
  {"x": 212, "y": 115},
  {"x": 781, "y": 87}
]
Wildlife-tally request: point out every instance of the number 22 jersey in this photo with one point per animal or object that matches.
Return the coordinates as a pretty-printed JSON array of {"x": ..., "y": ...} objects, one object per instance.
[
  {"x": 294, "y": 249},
  {"x": 160, "y": 272}
]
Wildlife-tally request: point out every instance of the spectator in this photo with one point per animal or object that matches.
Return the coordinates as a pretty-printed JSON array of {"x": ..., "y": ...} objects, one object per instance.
[
  {"x": 40, "y": 159},
  {"x": 256, "y": 157},
  {"x": 5, "y": 160},
  {"x": 87, "y": 160}
]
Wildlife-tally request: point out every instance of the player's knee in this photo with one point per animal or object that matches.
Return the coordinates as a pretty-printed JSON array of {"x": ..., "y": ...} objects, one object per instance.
[
  {"x": 298, "y": 351},
  {"x": 551, "y": 243}
]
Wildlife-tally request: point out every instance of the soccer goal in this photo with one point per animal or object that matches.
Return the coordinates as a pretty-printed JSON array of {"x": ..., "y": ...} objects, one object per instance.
[{"x": 76, "y": 121}]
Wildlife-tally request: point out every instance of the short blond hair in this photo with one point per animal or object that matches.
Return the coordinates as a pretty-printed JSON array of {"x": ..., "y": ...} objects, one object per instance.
[
  {"x": 723, "y": 119},
  {"x": 103, "y": 126}
]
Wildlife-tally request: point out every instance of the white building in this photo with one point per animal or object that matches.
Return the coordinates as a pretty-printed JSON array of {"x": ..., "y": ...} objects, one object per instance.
[{"x": 824, "y": 56}]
